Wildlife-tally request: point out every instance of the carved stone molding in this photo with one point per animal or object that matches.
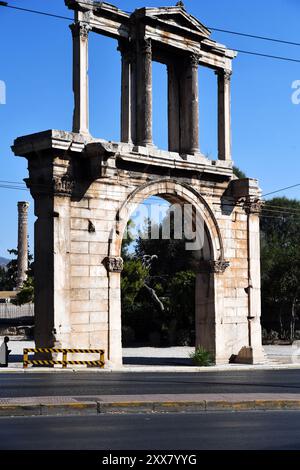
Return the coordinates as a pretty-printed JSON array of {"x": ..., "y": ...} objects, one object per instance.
[
  {"x": 126, "y": 51},
  {"x": 253, "y": 207},
  {"x": 62, "y": 186},
  {"x": 194, "y": 60},
  {"x": 23, "y": 209},
  {"x": 80, "y": 29},
  {"x": 114, "y": 264},
  {"x": 224, "y": 74},
  {"x": 146, "y": 46},
  {"x": 217, "y": 267}
]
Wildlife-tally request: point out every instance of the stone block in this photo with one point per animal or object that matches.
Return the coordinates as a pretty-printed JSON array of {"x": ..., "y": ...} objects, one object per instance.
[
  {"x": 86, "y": 306},
  {"x": 77, "y": 212},
  {"x": 89, "y": 282},
  {"x": 79, "y": 247},
  {"x": 79, "y": 224},
  {"x": 80, "y": 271},
  {"x": 98, "y": 248},
  {"x": 99, "y": 317},
  {"x": 98, "y": 270},
  {"x": 80, "y": 318},
  {"x": 79, "y": 294},
  {"x": 86, "y": 236},
  {"x": 98, "y": 294},
  {"x": 82, "y": 204}
]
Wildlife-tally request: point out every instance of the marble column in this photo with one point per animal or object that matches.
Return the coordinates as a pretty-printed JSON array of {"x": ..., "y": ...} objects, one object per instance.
[
  {"x": 80, "y": 32},
  {"x": 128, "y": 84},
  {"x": 190, "y": 107},
  {"x": 224, "y": 115},
  {"x": 144, "y": 94},
  {"x": 22, "y": 243},
  {"x": 173, "y": 109}
]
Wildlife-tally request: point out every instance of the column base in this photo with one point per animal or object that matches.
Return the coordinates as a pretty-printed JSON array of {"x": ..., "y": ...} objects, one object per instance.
[{"x": 249, "y": 355}]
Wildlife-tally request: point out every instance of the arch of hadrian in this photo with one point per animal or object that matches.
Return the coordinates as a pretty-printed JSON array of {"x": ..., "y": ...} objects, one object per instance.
[{"x": 85, "y": 189}]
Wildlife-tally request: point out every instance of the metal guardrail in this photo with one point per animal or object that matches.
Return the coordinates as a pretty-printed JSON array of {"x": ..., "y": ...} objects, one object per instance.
[
  {"x": 9, "y": 311},
  {"x": 65, "y": 361}
]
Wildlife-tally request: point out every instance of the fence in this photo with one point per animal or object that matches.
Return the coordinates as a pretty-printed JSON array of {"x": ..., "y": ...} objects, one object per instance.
[
  {"x": 9, "y": 311},
  {"x": 64, "y": 362}
]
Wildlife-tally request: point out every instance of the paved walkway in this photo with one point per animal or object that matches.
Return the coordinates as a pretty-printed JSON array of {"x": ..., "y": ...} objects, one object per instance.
[
  {"x": 91, "y": 405},
  {"x": 168, "y": 359}
]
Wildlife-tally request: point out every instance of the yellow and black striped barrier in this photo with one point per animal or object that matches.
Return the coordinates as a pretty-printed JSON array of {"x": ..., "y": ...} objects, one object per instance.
[{"x": 64, "y": 352}]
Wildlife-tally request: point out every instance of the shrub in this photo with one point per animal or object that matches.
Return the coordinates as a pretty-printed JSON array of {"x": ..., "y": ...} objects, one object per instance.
[{"x": 201, "y": 357}]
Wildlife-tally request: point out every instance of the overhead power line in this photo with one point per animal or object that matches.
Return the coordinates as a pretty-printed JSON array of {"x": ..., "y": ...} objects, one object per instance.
[
  {"x": 280, "y": 190},
  {"x": 254, "y": 36},
  {"x": 253, "y": 53},
  {"x": 268, "y": 210}
]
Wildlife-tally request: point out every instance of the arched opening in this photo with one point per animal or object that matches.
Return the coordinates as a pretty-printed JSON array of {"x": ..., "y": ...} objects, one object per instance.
[{"x": 167, "y": 296}]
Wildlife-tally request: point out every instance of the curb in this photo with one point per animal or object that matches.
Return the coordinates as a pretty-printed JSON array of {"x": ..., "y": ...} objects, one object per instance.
[
  {"x": 97, "y": 408},
  {"x": 152, "y": 369}
]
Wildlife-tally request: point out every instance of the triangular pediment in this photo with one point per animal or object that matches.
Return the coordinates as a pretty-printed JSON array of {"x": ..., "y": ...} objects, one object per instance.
[{"x": 178, "y": 17}]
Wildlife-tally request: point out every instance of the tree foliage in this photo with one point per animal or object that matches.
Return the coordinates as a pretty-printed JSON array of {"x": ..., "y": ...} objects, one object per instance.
[
  {"x": 280, "y": 259},
  {"x": 8, "y": 279},
  {"x": 171, "y": 280}
]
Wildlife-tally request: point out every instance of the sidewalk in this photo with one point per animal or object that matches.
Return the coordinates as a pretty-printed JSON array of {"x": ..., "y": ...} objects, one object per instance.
[
  {"x": 173, "y": 359},
  {"x": 93, "y": 405}
]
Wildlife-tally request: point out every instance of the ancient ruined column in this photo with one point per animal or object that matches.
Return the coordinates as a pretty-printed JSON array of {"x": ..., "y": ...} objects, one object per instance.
[
  {"x": 173, "y": 108},
  {"x": 190, "y": 107},
  {"x": 194, "y": 116},
  {"x": 144, "y": 100},
  {"x": 22, "y": 243},
  {"x": 80, "y": 33},
  {"x": 127, "y": 93},
  {"x": 224, "y": 115}
]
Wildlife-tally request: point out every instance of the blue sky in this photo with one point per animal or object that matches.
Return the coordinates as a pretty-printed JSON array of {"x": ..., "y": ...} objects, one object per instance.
[{"x": 36, "y": 67}]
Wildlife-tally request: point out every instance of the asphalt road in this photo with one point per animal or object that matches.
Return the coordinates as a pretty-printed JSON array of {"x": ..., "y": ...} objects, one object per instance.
[
  {"x": 111, "y": 383},
  {"x": 198, "y": 431}
]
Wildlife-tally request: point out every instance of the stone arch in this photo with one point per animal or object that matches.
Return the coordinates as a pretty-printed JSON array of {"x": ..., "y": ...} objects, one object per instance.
[
  {"x": 174, "y": 192},
  {"x": 206, "y": 303}
]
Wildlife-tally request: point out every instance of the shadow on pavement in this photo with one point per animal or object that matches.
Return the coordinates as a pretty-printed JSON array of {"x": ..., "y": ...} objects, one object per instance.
[{"x": 157, "y": 361}]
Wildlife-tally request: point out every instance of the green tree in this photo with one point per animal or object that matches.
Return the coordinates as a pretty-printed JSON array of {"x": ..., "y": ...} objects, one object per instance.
[
  {"x": 8, "y": 279},
  {"x": 239, "y": 173},
  {"x": 158, "y": 303},
  {"x": 280, "y": 260}
]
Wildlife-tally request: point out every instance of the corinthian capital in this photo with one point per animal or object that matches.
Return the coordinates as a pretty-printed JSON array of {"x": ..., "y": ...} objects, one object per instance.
[
  {"x": 194, "y": 60},
  {"x": 80, "y": 29},
  {"x": 146, "y": 46},
  {"x": 224, "y": 74},
  {"x": 253, "y": 207}
]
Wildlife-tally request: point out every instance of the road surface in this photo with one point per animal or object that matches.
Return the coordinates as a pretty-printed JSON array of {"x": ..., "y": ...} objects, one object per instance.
[
  {"x": 198, "y": 431},
  {"x": 118, "y": 383}
]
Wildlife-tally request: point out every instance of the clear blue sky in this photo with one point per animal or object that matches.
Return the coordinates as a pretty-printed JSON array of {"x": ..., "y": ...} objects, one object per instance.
[{"x": 36, "y": 67}]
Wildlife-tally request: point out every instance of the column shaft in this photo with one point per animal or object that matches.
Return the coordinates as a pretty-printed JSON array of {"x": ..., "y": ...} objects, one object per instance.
[
  {"x": 80, "y": 33},
  {"x": 22, "y": 243},
  {"x": 128, "y": 84},
  {"x": 173, "y": 109},
  {"x": 144, "y": 94},
  {"x": 224, "y": 116},
  {"x": 190, "y": 107}
]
